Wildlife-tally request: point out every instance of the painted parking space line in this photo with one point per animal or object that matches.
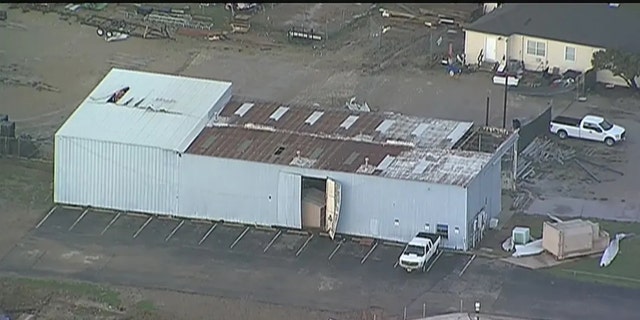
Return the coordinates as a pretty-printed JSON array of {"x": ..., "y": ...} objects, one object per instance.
[
  {"x": 275, "y": 237},
  {"x": 53, "y": 209},
  {"x": 366, "y": 256},
  {"x": 304, "y": 245},
  {"x": 84, "y": 213},
  {"x": 467, "y": 265},
  {"x": 174, "y": 230},
  {"x": 111, "y": 223},
  {"x": 335, "y": 250},
  {"x": 235, "y": 242},
  {"x": 135, "y": 235},
  {"x": 206, "y": 235},
  {"x": 434, "y": 260}
]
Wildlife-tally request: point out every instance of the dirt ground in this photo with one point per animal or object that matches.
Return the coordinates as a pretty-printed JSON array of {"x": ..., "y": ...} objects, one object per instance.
[{"x": 391, "y": 71}]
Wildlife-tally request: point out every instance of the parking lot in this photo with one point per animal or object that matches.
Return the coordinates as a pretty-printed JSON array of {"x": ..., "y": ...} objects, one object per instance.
[{"x": 118, "y": 228}]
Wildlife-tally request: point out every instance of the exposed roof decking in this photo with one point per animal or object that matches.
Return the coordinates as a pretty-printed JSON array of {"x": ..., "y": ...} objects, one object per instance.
[
  {"x": 158, "y": 110},
  {"x": 261, "y": 146},
  {"x": 434, "y": 133},
  {"x": 380, "y": 144}
]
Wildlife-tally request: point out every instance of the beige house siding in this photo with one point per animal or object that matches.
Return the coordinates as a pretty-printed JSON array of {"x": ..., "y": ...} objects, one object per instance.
[{"x": 554, "y": 55}]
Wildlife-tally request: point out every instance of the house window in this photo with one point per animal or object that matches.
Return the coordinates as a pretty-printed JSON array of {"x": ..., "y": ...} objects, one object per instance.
[
  {"x": 536, "y": 48},
  {"x": 569, "y": 53},
  {"x": 442, "y": 230}
]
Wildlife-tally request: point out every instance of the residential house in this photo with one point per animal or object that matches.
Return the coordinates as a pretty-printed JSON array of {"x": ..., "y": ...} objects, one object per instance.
[{"x": 557, "y": 35}]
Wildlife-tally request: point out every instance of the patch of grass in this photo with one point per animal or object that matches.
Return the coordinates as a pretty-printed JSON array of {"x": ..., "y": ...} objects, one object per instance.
[
  {"x": 89, "y": 291},
  {"x": 145, "y": 305},
  {"x": 622, "y": 271},
  {"x": 26, "y": 182}
]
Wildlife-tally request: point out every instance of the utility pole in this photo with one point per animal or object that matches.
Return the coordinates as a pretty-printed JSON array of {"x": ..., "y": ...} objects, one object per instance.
[{"x": 506, "y": 84}]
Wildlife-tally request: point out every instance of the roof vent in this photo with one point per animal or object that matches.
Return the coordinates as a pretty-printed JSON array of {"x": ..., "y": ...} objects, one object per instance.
[{"x": 614, "y": 5}]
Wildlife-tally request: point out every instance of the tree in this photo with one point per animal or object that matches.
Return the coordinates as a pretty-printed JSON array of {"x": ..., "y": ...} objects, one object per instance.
[{"x": 622, "y": 64}]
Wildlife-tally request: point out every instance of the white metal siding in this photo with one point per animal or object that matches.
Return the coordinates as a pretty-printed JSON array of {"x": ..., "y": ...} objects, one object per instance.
[
  {"x": 246, "y": 192},
  {"x": 289, "y": 200},
  {"x": 219, "y": 189},
  {"x": 115, "y": 176}
]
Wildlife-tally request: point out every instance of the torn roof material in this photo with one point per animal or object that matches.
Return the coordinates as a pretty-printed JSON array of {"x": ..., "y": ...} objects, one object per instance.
[
  {"x": 383, "y": 144},
  {"x": 148, "y": 109}
]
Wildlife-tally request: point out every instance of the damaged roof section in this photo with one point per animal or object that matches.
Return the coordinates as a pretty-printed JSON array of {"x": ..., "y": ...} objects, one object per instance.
[
  {"x": 385, "y": 127},
  {"x": 149, "y": 109},
  {"x": 382, "y": 144}
]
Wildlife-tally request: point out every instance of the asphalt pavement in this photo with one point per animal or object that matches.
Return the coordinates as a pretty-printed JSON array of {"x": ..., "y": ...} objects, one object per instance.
[{"x": 290, "y": 268}]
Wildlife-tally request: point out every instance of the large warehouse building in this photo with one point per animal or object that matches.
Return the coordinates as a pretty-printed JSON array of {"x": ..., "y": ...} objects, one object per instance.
[{"x": 199, "y": 153}]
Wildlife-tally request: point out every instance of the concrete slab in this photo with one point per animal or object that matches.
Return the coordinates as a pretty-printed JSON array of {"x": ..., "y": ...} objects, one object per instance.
[{"x": 570, "y": 207}]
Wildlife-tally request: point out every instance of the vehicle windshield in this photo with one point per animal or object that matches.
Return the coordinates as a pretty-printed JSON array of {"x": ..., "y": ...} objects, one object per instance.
[
  {"x": 606, "y": 125},
  {"x": 419, "y": 251}
]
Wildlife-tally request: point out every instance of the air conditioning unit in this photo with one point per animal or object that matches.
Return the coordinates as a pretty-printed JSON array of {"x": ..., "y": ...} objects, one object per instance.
[
  {"x": 520, "y": 235},
  {"x": 614, "y": 5}
]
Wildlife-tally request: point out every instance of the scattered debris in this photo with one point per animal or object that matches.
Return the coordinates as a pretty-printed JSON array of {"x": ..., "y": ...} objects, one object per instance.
[
  {"x": 593, "y": 176},
  {"x": 303, "y": 34},
  {"x": 3, "y": 15},
  {"x": 354, "y": 106},
  {"x": 240, "y": 23},
  {"x": 530, "y": 249},
  {"x": 612, "y": 250}
]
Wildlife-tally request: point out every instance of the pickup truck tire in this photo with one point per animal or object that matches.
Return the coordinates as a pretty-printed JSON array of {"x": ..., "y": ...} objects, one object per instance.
[
  {"x": 562, "y": 134},
  {"x": 609, "y": 142}
]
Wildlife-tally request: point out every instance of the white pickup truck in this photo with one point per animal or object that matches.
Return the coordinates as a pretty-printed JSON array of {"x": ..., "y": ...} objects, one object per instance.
[
  {"x": 588, "y": 128},
  {"x": 419, "y": 251}
]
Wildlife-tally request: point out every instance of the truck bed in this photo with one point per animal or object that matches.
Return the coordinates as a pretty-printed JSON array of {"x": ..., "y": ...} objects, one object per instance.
[{"x": 569, "y": 121}]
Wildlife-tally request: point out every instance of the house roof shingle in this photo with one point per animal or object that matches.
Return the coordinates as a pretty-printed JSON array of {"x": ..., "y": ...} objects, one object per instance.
[{"x": 592, "y": 24}]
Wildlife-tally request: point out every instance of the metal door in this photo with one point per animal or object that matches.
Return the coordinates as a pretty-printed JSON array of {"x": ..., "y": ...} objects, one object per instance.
[{"x": 334, "y": 198}]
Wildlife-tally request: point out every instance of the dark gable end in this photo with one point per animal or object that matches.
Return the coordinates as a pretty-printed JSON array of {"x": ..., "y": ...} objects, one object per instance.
[{"x": 592, "y": 24}]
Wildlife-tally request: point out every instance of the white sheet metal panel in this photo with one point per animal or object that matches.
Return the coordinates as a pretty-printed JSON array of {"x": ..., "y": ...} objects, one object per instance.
[
  {"x": 334, "y": 202},
  {"x": 276, "y": 115},
  {"x": 314, "y": 117},
  {"x": 420, "y": 129},
  {"x": 289, "y": 200},
  {"x": 385, "y": 125},
  {"x": 115, "y": 176},
  {"x": 243, "y": 109},
  {"x": 386, "y": 162},
  {"x": 158, "y": 110},
  {"x": 349, "y": 121}
]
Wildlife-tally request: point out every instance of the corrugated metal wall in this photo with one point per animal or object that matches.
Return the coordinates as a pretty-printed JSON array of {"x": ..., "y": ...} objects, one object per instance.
[
  {"x": 115, "y": 176},
  {"x": 485, "y": 192},
  {"x": 241, "y": 191}
]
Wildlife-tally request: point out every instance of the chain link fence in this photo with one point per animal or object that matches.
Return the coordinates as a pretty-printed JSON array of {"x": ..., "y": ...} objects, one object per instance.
[{"x": 20, "y": 147}]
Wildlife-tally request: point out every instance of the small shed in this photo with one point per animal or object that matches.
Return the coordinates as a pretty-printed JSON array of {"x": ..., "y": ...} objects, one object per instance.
[{"x": 573, "y": 238}]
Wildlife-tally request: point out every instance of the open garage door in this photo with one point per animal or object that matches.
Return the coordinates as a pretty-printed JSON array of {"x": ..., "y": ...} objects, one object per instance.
[{"x": 334, "y": 197}]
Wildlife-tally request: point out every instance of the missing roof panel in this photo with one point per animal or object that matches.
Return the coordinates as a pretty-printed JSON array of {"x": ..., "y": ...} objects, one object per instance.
[
  {"x": 243, "y": 109},
  {"x": 420, "y": 129},
  {"x": 385, "y": 163},
  {"x": 347, "y": 123},
  {"x": 421, "y": 167},
  {"x": 385, "y": 125},
  {"x": 314, "y": 117},
  {"x": 278, "y": 151},
  {"x": 278, "y": 113}
]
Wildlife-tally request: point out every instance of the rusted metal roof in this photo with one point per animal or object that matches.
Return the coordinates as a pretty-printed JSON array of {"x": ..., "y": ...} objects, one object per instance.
[
  {"x": 383, "y": 144},
  {"x": 289, "y": 148}
]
